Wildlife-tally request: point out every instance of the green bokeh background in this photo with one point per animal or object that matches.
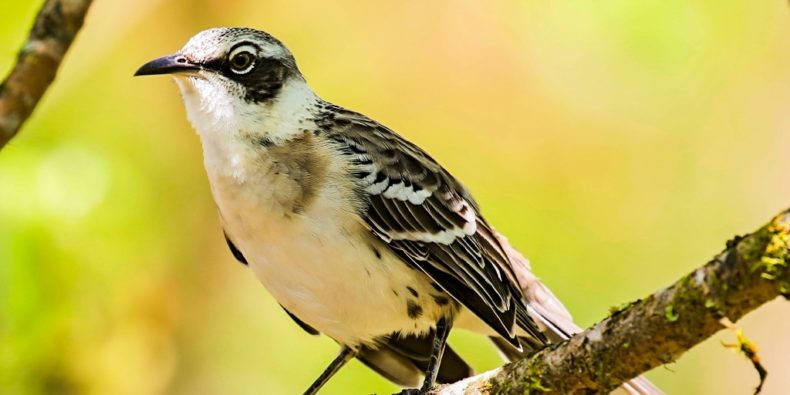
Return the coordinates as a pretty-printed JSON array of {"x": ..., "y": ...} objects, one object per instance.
[{"x": 617, "y": 143}]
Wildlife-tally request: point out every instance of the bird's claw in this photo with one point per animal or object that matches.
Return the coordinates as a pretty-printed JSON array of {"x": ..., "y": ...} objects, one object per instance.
[{"x": 410, "y": 391}]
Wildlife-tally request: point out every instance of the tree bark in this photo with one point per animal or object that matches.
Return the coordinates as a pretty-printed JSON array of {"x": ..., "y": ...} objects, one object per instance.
[
  {"x": 656, "y": 330},
  {"x": 54, "y": 29}
]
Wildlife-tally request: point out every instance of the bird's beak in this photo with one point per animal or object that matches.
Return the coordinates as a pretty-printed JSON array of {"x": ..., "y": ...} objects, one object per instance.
[{"x": 171, "y": 64}]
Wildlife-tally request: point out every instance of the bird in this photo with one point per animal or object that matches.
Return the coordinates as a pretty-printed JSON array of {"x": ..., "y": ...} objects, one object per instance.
[{"x": 358, "y": 233}]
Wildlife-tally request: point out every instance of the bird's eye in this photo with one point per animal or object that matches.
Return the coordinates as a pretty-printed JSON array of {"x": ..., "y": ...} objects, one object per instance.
[{"x": 241, "y": 62}]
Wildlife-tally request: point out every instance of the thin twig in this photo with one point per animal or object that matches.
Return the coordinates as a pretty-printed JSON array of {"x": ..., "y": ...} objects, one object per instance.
[{"x": 54, "y": 29}]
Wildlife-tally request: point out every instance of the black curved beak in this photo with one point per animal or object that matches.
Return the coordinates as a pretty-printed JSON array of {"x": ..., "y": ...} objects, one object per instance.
[{"x": 170, "y": 64}]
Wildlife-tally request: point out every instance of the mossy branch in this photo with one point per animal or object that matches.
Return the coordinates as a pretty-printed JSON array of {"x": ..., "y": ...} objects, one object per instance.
[
  {"x": 647, "y": 333},
  {"x": 54, "y": 29}
]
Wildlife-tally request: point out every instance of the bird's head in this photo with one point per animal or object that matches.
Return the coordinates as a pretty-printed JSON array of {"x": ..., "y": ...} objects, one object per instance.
[
  {"x": 247, "y": 63},
  {"x": 228, "y": 76}
]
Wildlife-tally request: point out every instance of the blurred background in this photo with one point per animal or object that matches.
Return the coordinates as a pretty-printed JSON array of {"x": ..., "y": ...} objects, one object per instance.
[{"x": 617, "y": 143}]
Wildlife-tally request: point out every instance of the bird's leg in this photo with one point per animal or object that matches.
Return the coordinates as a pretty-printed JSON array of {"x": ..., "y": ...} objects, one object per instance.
[
  {"x": 439, "y": 341},
  {"x": 345, "y": 355}
]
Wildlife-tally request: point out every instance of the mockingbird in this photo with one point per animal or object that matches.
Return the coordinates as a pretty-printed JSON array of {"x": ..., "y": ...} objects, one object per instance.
[{"x": 358, "y": 233}]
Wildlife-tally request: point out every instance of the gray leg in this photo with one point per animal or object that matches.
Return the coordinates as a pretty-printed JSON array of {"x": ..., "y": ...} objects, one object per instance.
[
  {"x": 439, "y": 341},
  {"x": 344, "y": 356}
]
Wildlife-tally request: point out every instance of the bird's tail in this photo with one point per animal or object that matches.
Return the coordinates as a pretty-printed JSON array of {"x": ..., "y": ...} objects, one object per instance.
[{"x": 552, "y": 317}]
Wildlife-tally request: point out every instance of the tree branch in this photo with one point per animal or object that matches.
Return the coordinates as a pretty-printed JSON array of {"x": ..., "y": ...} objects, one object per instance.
[
  {"x": 54, "y": 29},
  {"x": 752, "y": 270}
]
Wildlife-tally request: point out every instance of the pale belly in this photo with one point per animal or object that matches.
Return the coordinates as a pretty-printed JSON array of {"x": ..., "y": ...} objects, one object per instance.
[{"x": 324, "y": 267}]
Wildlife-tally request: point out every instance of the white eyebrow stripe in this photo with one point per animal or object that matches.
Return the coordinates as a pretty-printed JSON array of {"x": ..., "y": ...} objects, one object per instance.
[{"x": 273, "y": 51}]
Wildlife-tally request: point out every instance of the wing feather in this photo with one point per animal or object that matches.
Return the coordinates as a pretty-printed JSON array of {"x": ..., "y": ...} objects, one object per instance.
[{"x": 429, "y": 219}]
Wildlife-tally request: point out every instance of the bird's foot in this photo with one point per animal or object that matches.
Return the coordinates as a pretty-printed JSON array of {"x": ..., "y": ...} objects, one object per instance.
[{"x": 411, "y": 391}]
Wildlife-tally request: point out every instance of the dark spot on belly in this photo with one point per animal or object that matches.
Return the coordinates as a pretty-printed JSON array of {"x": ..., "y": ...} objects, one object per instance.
[
  {"x": 413, "y": 292},
  {"x": 441, "y": 300},
  {"x": 361, "y": 174},
  {"x": 413, "y": 309},
  {"x": 395, "y": 292},
  {"x": 376, "y": 251},
  {"x": 265, "y": 142},
  {"x": 367, "y": 271}
]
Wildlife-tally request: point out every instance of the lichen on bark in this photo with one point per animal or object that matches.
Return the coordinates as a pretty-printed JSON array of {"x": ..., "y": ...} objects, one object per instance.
[{"x": 658, "y": 329}]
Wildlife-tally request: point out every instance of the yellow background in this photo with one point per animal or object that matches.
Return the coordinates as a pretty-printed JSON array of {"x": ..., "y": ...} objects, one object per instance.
[{"x": 618, "y": 143}]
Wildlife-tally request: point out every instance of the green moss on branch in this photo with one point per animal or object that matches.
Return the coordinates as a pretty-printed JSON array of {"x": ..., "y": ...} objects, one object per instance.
[{"x": 751, "y": 271}]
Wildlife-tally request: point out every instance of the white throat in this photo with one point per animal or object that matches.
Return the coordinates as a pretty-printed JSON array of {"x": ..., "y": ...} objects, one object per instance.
[
  {"x": 231, "y": 128},
  {"x": 217, "y": 113}
]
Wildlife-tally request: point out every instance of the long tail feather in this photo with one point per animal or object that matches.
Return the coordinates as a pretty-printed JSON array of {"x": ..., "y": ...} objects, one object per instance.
[{"x": 552, "y": 316}]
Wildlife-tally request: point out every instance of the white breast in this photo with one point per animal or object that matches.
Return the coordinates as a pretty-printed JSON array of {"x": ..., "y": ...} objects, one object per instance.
[{"x": 321, "y": 264}]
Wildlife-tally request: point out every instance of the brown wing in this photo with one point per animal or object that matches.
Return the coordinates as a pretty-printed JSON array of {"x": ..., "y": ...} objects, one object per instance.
[{"x": 430, "y": 221}]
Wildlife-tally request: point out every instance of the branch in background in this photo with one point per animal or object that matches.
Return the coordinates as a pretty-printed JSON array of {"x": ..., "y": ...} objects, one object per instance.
[
  {"x": 752, "y": 270},
  {"x": 54, "y": 29}
]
